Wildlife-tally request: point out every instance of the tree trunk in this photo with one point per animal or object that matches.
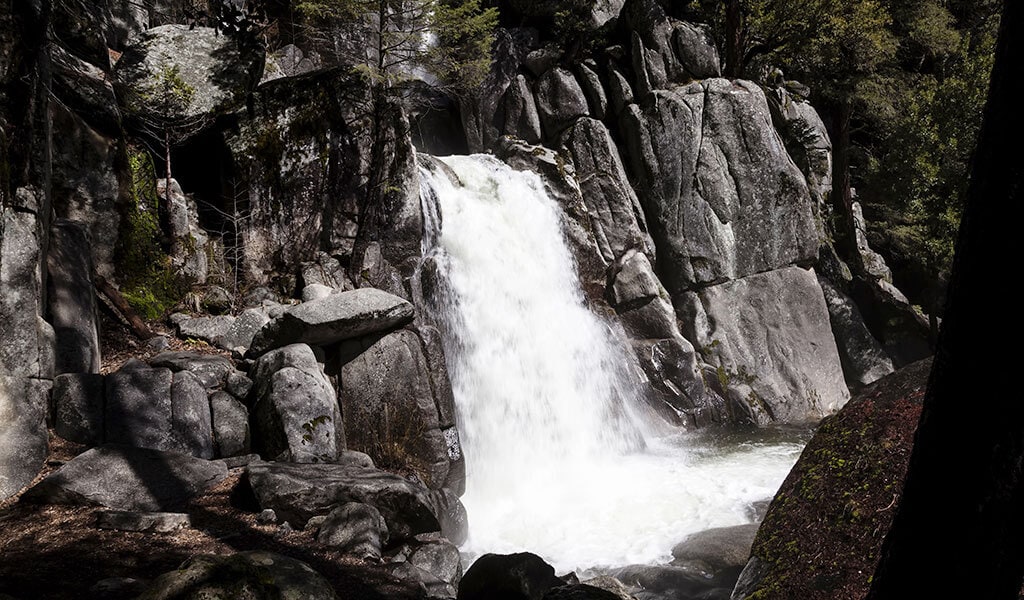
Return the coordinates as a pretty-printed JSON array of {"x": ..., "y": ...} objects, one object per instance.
[
  {"x": 138, "y": 326},
  {"x": 375, "y": 186},
  {"x": 959, "y": 530},
  {"x": 733, "y": 39},
  {"x": 843, "y": 225},
  {"x": 164, "y": 208}
]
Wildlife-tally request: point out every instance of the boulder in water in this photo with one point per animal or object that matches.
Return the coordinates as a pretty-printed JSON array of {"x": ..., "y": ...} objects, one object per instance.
[
  {"x": 668, "y": 582},
  {"x": 720, "y": 552},
  {"x": 579, "y": 591}
]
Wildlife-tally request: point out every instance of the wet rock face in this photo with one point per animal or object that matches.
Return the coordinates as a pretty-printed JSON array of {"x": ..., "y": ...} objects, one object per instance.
[
  {"x": 667, "y": 358},
  {"x": 722, "y": 197},
  {"x": 522, "y": 576},
  {"x": 770, "y": 339}
]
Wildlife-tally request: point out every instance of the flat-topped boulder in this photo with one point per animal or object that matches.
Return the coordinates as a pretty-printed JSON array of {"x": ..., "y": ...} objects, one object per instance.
[
  {"x": 131, "y": 479},
  {"x": 298, "y": 492},
  {"x": 337, "y": 317}
]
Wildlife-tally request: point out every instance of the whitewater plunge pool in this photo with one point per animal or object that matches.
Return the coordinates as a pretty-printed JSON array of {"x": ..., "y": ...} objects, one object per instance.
[
  {"x": 563, "y": 460},
  {"x": 633, "y": 509}
]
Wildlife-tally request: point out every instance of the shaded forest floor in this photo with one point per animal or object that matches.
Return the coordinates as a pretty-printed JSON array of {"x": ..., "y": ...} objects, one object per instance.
[{"x": 57, "y": 552}]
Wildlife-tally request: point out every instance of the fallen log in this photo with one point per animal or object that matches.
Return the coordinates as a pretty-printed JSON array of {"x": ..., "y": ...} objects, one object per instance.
[{"x": 137, "y": 325}]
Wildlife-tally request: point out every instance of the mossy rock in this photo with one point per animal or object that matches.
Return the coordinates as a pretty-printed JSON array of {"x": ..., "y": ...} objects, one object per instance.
[
  {"x": 148, "y": 282},
  {"x": 823, "y": 532}
]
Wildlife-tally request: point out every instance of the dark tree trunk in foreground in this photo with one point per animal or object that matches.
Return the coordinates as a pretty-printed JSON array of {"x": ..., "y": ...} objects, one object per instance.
[{"x": 959, "y": 532}]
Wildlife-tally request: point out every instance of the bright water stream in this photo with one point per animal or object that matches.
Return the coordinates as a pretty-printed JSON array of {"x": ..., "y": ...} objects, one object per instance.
[{"x": 561, "y": 460}]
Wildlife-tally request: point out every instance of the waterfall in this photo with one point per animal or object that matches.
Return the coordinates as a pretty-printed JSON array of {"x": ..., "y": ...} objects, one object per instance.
[{"x": 559, "y": 460}]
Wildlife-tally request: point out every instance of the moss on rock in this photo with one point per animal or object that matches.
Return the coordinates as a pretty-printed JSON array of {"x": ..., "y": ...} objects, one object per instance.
[
  {"x": 148, "y": 282},
  {"x": 823, "y": 532}
]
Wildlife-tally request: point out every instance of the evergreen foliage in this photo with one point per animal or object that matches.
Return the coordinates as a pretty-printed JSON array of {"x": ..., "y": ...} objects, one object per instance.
[
  {"x": 448, "y": 39},
  {"x": 902, "y": 84}
]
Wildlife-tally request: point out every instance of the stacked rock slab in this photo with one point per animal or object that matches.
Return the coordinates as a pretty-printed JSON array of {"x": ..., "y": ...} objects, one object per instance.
[
  {"x": 153, "y": 408},
  {"x": 333, "y": 319},
  {"x": 132, "y": 479},
  {"x": 395, "y": 397},
  {"x": 181, "y": 401}
]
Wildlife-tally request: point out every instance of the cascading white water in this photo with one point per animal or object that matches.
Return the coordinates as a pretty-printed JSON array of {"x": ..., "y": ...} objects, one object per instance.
[{"x": 559, "y": 461}]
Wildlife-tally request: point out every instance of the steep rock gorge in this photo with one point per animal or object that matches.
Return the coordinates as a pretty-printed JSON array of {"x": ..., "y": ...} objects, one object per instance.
[
  {"x": 694, "y": 208},
  {"x": 693, "y": 186}
]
